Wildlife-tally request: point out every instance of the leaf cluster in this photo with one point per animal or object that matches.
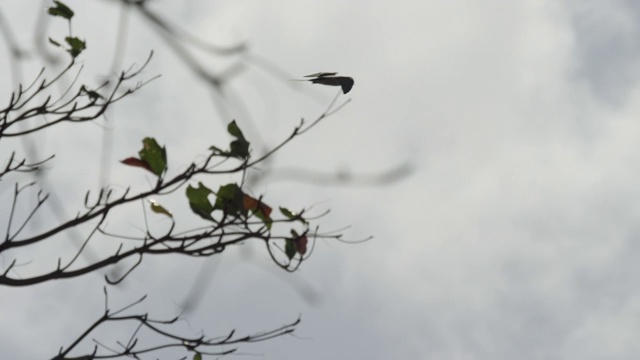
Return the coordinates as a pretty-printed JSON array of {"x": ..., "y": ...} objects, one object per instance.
[{"x": 75, "y": 46}]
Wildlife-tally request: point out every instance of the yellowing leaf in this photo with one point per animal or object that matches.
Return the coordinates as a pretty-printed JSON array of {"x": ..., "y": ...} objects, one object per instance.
[{"x": 157, "y": 208}]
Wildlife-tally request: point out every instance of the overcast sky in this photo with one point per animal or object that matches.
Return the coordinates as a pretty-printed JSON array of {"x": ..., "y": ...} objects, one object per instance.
[{"x": 516, "y": 236}]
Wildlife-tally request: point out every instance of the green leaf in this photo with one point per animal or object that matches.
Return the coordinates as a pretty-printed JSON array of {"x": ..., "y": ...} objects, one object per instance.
[
  {"x": 154, "y": 155},
  {"x": 197, "y": 356},
  {"x": 292, "y": 216},
  {"x": 239, "y": 147},
  {"x": 60, "y": 10},
  {"x": 54, "y": 42},
  {"x": 287, "y": 213},
  {"x": 157, "y": 208},
  {"x": 264, "y": 217},
  {"x": 230, "y": 199},
  {"x": 199, "y": 202},
  {"x": 290, "y": 249},
  {"x": 234, "y": 130},
  {"x": 76, "y": 44}
]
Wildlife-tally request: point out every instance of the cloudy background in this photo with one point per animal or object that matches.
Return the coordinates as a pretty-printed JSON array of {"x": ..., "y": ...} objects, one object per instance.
[{"x": 515, "y": 236}]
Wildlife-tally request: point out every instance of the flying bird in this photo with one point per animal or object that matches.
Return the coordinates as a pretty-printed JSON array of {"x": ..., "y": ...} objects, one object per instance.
[{"x": 330, "y": 78}]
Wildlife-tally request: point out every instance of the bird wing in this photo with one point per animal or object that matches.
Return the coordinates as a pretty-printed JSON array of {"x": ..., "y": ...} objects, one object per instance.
[{"x": 322, "y": 74}]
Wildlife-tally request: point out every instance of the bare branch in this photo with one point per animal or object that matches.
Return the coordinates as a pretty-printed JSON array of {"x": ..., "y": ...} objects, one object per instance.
[{"x": 143, "y": 325}]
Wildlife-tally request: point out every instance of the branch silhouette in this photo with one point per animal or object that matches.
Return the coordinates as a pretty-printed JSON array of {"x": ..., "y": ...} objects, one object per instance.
[
  {"x": 143, "y": 324},
  {"x": 234, "y": 217}
]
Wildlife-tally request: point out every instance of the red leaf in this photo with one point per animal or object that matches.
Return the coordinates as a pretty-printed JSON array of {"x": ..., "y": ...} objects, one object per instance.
[
  {"x": 131, "y": 161},
  {"x": 250, "y": 203},
  {"x": 301, "y": 244}
]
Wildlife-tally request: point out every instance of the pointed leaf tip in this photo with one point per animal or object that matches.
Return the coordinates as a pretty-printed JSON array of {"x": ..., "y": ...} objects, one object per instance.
[
  {"x": 287, "y": 213},
  {"x": 131, "y": 161},
  {"x": 54, "y": 42},
  {"x": 291, "y": 215},
  {"x": 239, "y": 147}
]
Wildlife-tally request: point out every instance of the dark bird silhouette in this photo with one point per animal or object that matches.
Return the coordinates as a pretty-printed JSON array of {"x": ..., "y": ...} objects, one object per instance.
[{"x": 330, "y": 78}]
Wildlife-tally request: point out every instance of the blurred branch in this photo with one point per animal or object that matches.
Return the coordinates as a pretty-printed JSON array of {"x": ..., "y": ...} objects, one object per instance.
[
  {"x": 184, "y": 36},
  {"x": 341, "y": 178},
  {"x": 175, "y": 40},
  {"x": 16, "y": 53}
]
